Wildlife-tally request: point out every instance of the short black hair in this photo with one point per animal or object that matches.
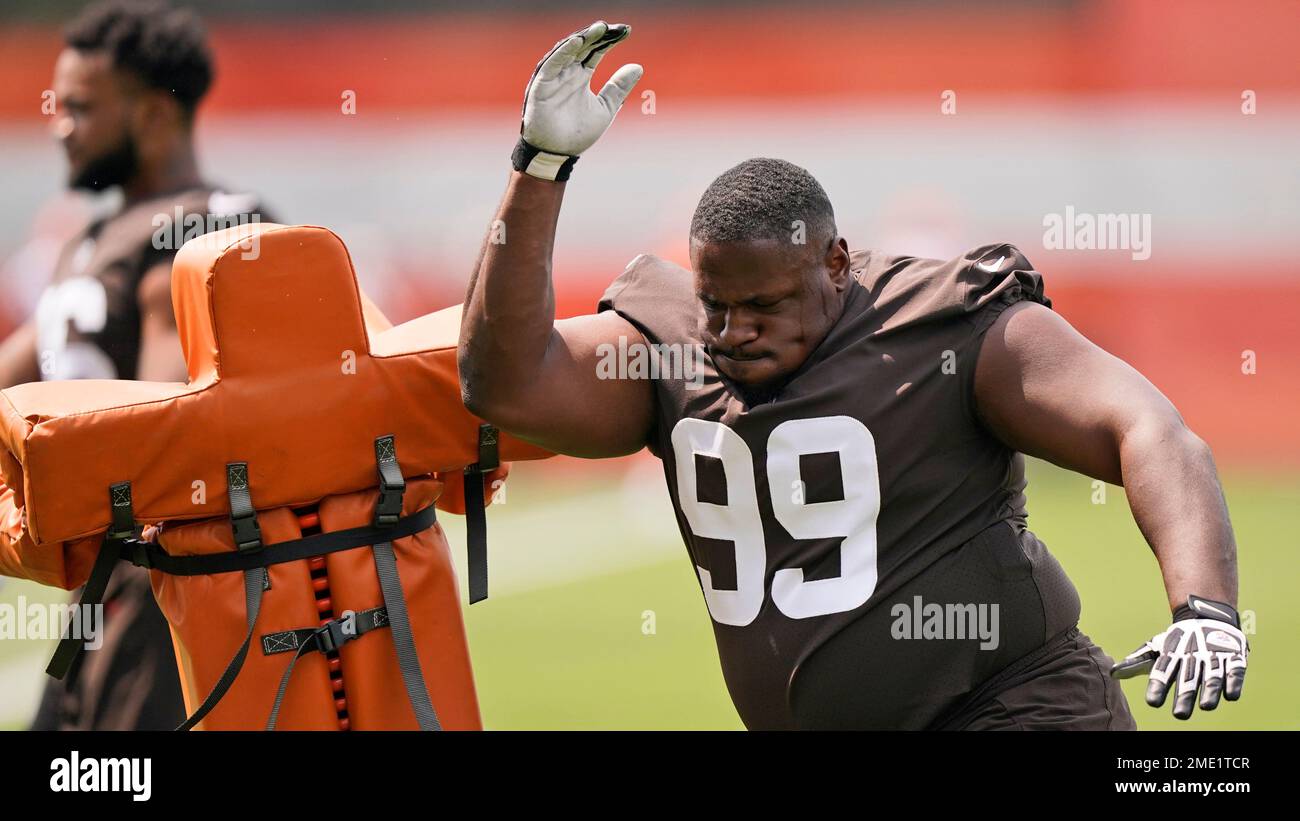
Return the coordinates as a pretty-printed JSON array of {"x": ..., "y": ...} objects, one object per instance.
[
  {"x": 166, "y": 47},
  {"x": 760, "y": 199}
]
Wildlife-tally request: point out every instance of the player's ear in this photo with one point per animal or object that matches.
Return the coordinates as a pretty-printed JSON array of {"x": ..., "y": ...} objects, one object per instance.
[
  {"x": 837, "y": 262},
  {"x": 156, "y": 113}
]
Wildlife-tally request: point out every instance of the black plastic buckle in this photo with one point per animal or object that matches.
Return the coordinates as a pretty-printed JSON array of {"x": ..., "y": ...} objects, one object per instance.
[
  {"x": 332, "y": 636},
  {"x": 243, "y": 516},
  {"x": 139, "y": 553},
  {"x": 389, "y": 509},
  {"x": 392, "y": 486},
  {"x": 248, "y": 535}
]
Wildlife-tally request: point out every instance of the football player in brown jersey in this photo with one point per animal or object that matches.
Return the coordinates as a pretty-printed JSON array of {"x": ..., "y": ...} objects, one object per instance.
[
  {"x": 845, "y": 454},
  {"x": 127, "y": 86}
]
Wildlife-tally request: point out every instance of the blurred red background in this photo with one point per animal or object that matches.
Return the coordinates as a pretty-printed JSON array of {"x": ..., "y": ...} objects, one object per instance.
[{"x": 1116, "y": 107}]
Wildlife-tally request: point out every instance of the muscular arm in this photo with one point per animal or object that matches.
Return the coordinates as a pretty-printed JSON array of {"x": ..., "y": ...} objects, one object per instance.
[
  {"x": 18, "y": 362},
  {"x": 161, "y": 359},
  {"x": 523, "y": 371},
  {"x": 1046, "y": 391}
]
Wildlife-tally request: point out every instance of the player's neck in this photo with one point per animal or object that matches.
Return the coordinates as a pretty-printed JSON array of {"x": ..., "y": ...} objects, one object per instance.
[{"x": 176, "y": 171}]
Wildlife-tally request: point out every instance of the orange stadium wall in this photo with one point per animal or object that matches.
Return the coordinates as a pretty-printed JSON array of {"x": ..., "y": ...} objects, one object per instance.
[
  {"x": 1188, "y": 329},
  {"x": 1110, "y": 46}
]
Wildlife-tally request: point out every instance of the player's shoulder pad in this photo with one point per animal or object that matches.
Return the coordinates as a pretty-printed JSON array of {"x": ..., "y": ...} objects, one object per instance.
[
  {"x": 655, "y": 295},
  {"x": 1000, "y": 271},
  {"x": 652, "y": 265},
  {"x": 646, "y": 274},
  {"x": 908, "y": 290}
]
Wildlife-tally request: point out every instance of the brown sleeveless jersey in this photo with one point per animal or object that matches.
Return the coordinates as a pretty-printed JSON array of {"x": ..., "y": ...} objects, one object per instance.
[
  {"x": 88, "y": 318},
  {"x": 827, "y": 521}
]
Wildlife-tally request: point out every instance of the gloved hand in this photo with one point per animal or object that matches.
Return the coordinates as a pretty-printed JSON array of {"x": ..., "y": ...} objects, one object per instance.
[
  {"x": 1203, "y": 647},
  {"x": 562, "y": 117}
]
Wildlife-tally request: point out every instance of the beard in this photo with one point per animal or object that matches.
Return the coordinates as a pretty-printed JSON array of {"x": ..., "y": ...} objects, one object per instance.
[{"x": 114, "y": 167}]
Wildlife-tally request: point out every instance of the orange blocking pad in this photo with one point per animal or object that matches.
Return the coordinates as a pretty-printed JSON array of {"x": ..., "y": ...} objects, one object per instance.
[
  {"x": 287, "y": 373},
  {"x": 208, "y": 620},
  {"x": 295, "y": 373}
]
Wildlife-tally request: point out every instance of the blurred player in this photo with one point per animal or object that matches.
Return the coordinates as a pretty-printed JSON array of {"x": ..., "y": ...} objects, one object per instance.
[
  {"x": 844, "y": 456},
  {"x": 127, "y": 86}
]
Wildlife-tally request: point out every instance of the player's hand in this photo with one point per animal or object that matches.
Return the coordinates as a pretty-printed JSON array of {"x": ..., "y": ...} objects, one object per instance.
[
  {"x": 1204, "y": 648},
  {"x": 562, "y": 117}
]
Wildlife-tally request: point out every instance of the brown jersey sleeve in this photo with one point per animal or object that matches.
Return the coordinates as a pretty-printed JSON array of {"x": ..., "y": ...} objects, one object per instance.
[
  {"x": 908, "y": 291},
  {"x": 995, "y": 277},
  {"x": 657, "y": 297},
  {"x": 964, "y": 295}
]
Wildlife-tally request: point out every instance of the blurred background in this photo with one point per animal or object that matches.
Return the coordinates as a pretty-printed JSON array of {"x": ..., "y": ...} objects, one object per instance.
[{"x": 934, "y": 126}]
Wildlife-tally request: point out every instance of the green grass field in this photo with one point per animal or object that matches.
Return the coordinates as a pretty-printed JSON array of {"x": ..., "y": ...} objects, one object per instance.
[
  {"x": 575, "y": 655},
  {"x": 578, "y": 568}
]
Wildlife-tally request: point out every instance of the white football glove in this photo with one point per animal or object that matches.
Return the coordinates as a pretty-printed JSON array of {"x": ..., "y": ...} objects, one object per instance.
[
  {"x": 1204, "y": 648},
  {"x": 562, "y": 117}
]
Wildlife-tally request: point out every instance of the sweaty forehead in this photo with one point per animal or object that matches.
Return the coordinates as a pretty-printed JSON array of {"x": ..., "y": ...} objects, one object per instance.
[{"x": 755, "y": 269}]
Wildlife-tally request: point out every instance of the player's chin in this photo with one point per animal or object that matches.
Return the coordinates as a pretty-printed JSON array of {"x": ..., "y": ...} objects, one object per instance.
[{"x": 750, "y": 372}]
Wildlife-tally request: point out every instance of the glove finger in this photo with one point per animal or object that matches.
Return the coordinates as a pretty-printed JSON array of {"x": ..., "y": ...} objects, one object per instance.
[
  {"x": 1188, "y": 679},
  {"x": 592, "y": 37},
  {"x": 1236, "y": 676},
  {"x": 1164, "y": 670},
  {"x": 1212, "y": 686},
  {"x": 613, "y": 35},
  {"x": 1135, "y": 664},
  {"x": 563, "y": 54},
  {"x": 619, "y": 86}
]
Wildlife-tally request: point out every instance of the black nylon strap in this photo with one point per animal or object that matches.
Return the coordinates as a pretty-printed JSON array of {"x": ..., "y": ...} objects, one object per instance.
[
  {"x": 403, "y": 640},
  {"x": 68, "y": 652},
  {"x": 122, "y": 510},
  {"x": 476, "y": 536},
  {"x": 489, "y": 459},
  {"x": 254, "y": 585},
  {"x": 327, "y": 637},
  {"x": 153, "y": 556},
  {"x": 288, "y": 674},
  {"x": 65, "y": 663},
  {"x": 248, "y": 538},
  {"x": 243, "y": 518},
  {"x": 391, "y": 484}
]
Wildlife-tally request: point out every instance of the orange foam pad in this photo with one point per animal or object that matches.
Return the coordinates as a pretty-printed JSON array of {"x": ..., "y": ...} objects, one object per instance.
[{"x": 291, "y": 370}]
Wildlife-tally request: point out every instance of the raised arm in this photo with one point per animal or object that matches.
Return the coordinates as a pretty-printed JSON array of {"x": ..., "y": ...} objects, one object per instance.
[
  {"x": 519, "y": 368},
  {"x": 1046, "y": 391}
]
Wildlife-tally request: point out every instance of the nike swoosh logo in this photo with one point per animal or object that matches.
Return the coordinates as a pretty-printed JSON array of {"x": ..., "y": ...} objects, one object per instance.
[
  {"x": 994, "y": 267},
  {"x": 1200, "y": 605}
]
